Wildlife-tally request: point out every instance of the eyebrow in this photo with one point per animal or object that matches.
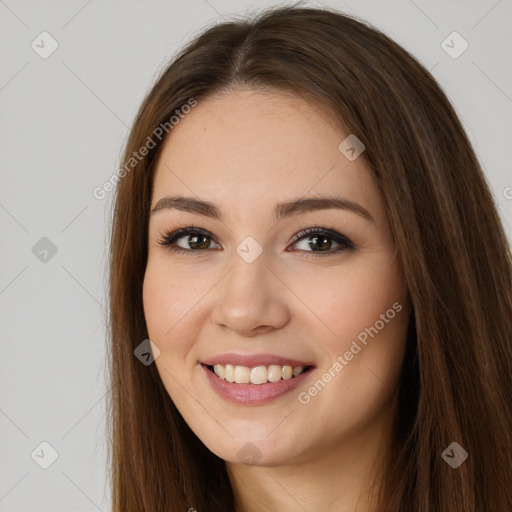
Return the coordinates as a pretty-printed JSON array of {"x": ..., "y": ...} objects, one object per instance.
[{"x": 281, "y": 210}]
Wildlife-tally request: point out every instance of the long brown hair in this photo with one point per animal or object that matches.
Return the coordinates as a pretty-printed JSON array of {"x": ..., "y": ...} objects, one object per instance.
[{"x": 456, "y": 382}]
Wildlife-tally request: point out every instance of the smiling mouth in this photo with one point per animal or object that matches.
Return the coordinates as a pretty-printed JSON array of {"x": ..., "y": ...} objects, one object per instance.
[{"x": 257, "y": 375}]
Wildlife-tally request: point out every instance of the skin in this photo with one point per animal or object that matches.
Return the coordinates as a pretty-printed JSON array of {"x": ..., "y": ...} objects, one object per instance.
[{"x": 324, "y": 454}]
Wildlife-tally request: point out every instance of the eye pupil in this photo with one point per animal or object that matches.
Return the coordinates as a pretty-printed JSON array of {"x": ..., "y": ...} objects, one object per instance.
[
  {"x": 315, "y": 239},
  {"x": 193, "y": 242},
  {"x": 197, "y": 241}
]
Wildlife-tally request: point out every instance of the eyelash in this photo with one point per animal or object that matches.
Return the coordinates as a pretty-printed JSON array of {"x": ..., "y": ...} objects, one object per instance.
[{"x": 168, "y": 240}]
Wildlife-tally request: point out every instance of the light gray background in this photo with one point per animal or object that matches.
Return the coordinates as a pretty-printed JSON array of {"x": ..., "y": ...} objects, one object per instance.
[{"x": 63, "y": 123}]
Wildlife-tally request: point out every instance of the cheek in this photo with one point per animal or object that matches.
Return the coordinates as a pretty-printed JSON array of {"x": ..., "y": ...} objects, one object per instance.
[
  {"x": 165, "y": 308},
  {"x": 364, "y": 359},
  {"x": 367, "y": 314},
  {"x": 173, "y": 314},
  {"x": 155, "y": 299},
  {"x": 355, "y": 298},
  {"x": 166, "y": 301}
]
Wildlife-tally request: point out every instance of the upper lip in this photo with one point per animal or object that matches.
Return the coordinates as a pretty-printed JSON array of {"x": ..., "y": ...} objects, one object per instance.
[{"x": 251, "y": 360}]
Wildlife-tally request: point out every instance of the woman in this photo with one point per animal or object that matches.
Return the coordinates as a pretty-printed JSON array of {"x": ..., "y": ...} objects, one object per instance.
[{"x": 375, "y": 376}]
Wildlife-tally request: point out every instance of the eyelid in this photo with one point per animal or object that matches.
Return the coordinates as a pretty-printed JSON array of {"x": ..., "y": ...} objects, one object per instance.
[
  {"x": 320, "y": 230},
  {"x": 168, "y": 239}
]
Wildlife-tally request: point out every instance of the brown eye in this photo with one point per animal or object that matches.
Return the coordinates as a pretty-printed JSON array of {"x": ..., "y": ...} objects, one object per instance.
[
  {"x": 187, "y": 240},
  {"x": 195, "y": 241},
  {"x": 320, "y": 240}
]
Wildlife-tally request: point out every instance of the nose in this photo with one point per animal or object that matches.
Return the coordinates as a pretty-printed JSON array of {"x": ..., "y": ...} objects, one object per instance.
[{"x": 251, "y": 300}]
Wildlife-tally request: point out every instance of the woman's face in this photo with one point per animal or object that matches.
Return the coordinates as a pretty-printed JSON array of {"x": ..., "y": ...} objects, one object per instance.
[{"x": 253, "y": 294}]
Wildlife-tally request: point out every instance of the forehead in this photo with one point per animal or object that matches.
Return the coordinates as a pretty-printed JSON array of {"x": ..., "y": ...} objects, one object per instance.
[{"x": 259, "y": 147}]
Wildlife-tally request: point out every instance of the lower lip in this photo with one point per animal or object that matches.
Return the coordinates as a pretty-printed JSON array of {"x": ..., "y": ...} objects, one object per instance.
[{"x": 253, "y": 394}]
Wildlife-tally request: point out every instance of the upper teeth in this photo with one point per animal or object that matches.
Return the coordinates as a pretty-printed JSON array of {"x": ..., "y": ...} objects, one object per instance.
[{"x": 257, "y": 374}]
